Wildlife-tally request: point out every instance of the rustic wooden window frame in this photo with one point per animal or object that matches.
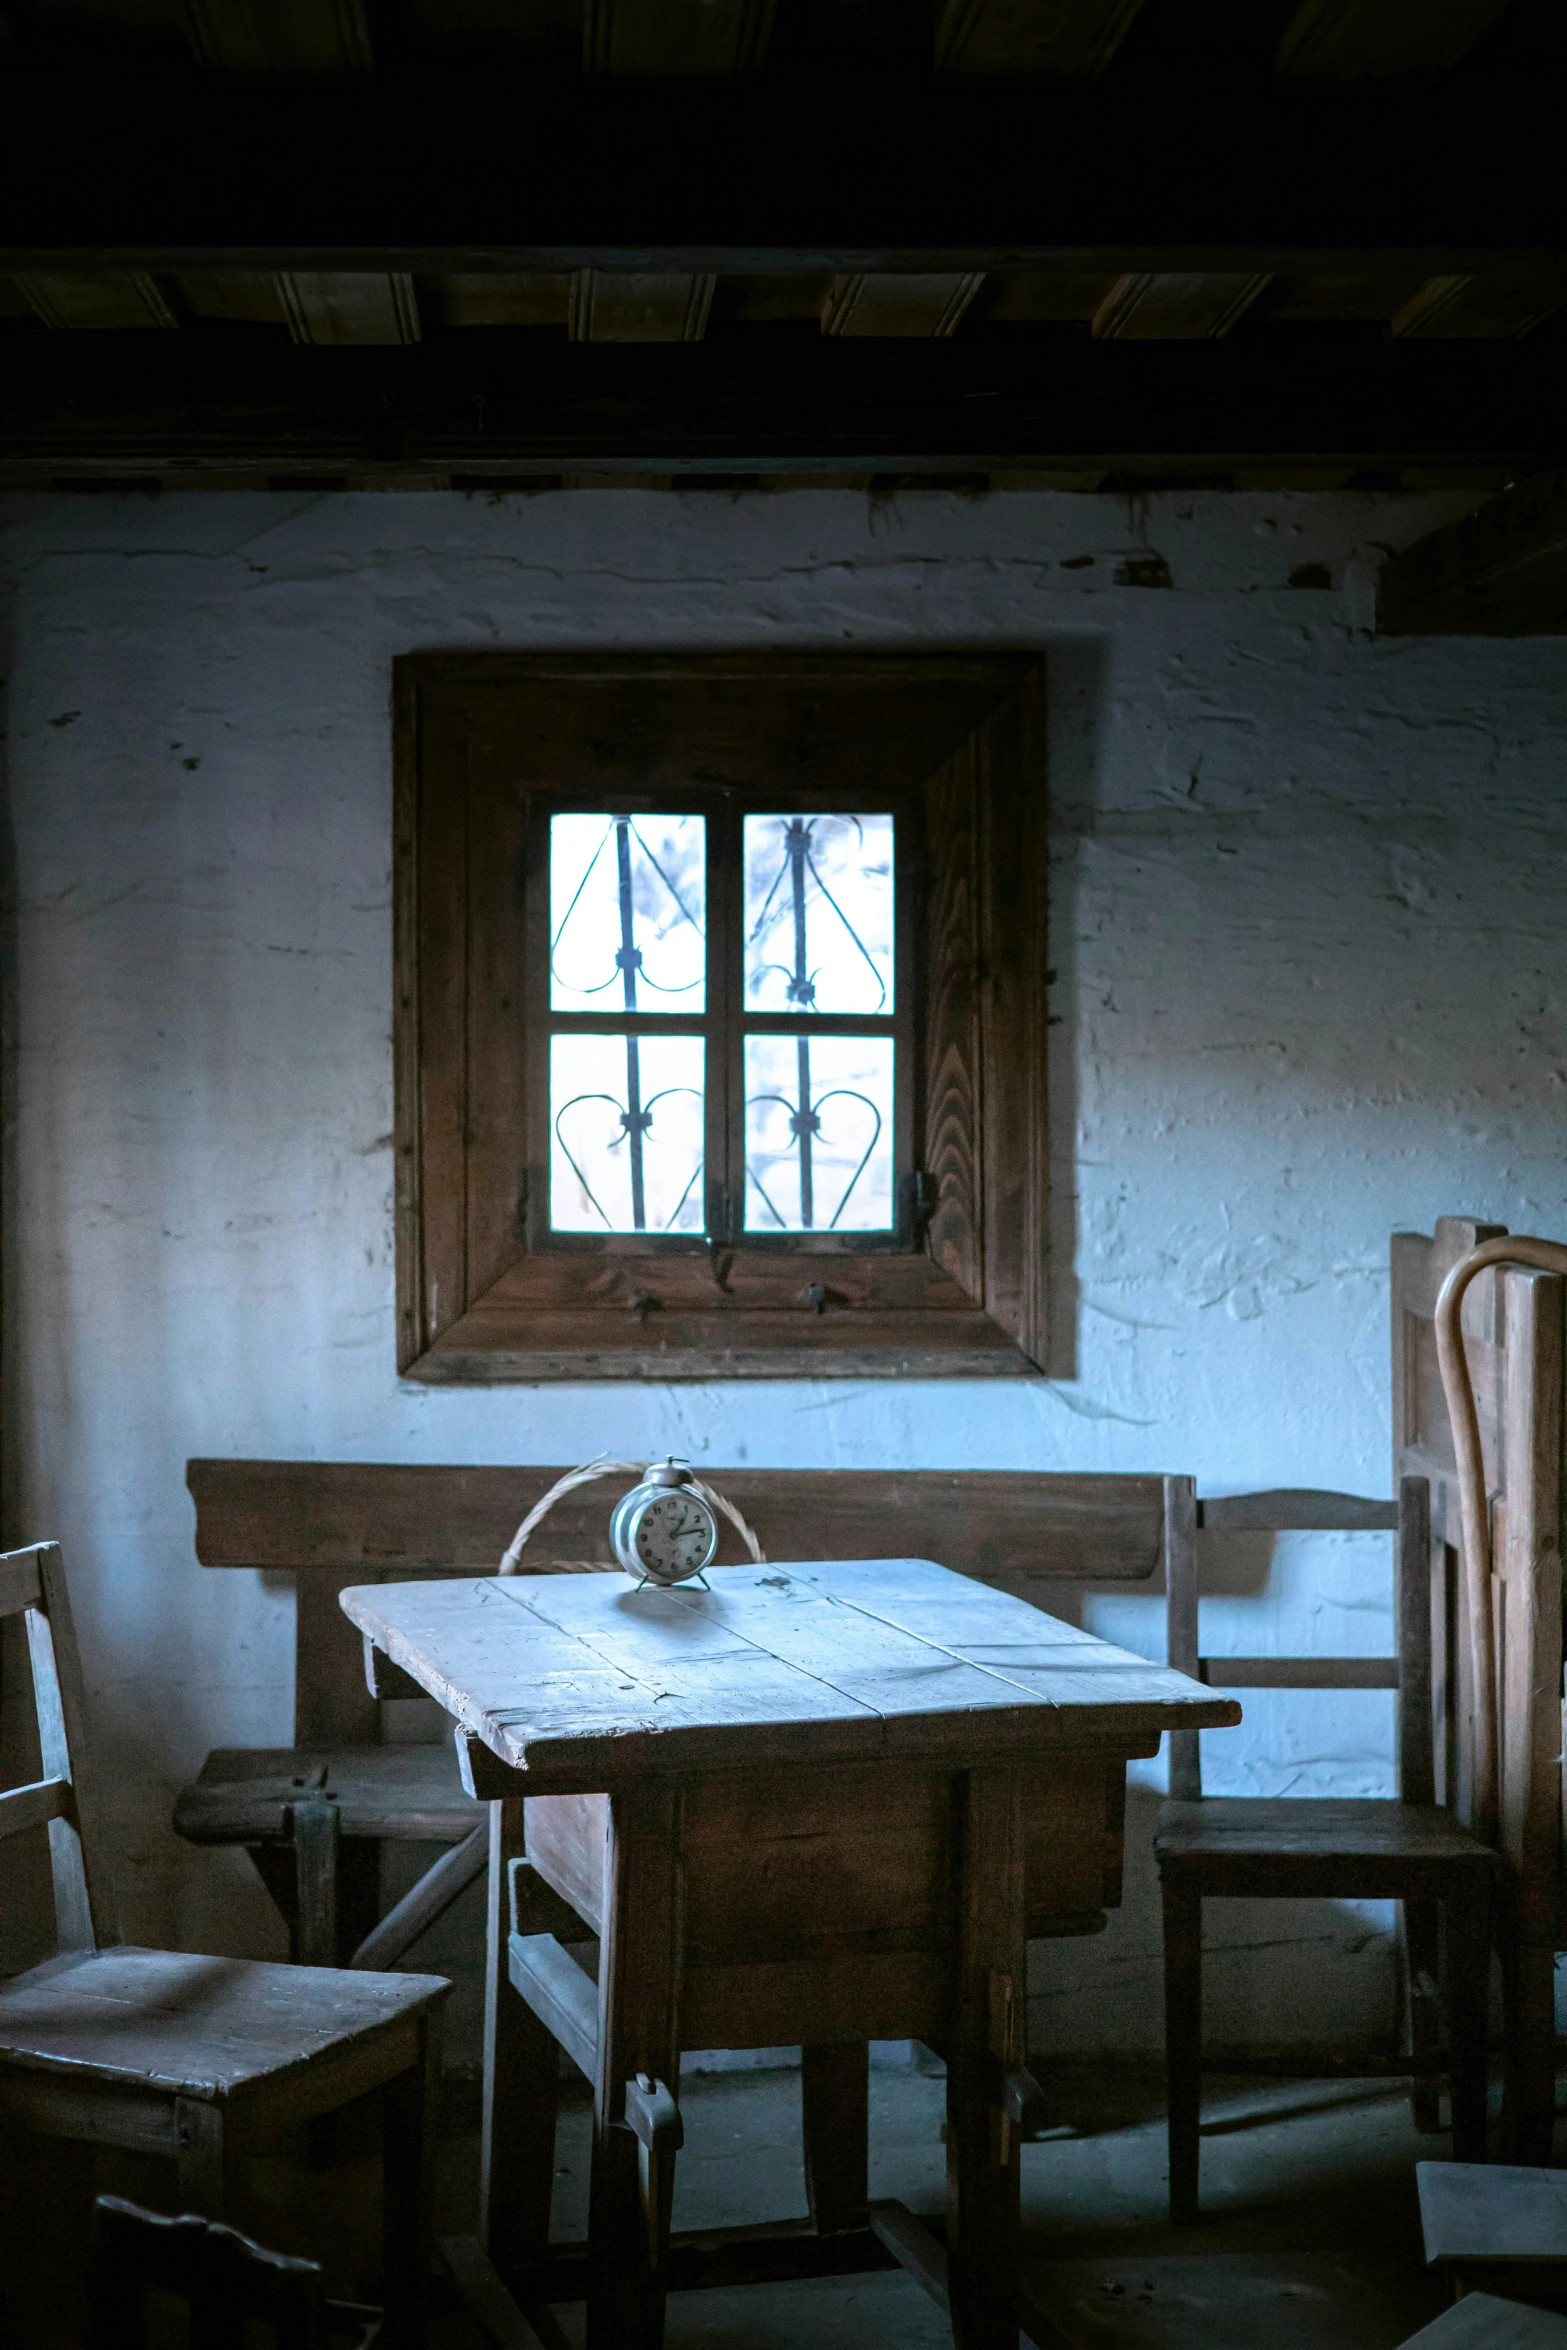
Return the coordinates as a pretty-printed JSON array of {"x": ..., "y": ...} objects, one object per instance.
[{"x": 960, "y": 1289}]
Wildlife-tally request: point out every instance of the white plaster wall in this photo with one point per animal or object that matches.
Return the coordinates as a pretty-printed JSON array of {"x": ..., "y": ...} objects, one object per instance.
[{"x": 1308, "y": 911}]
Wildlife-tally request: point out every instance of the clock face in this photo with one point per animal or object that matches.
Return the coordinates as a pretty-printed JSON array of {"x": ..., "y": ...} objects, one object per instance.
[{"x": 674, "y": 1535}]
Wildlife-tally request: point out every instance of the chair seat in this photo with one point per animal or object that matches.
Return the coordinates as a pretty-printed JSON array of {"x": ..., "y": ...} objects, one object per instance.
[
  {"x": 168, "y": 2020},
  {"x": 244, "y": 1793},
  {"x": 1347, "y": 1848},
  {"x": 1476, "y": 2212},
  {"x": 1320, "y": 1829}
]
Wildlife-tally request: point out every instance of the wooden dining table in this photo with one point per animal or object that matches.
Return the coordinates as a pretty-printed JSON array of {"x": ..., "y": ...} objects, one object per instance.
[{"x": 810, "y": 1805}]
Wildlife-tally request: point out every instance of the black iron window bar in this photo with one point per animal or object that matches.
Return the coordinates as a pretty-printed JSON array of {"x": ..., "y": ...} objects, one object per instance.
[
  {"x": 636, "y": 1116},
  {"x": 804, "y": 1113}
]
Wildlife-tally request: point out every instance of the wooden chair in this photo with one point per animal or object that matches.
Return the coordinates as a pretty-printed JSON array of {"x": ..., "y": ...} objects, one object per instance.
[
  {"x": 227, "y": 2283},
  {"x": 1515, "y": 1339},
  {"x": 1405, "y": 1849},
  {"x": 196, "y": 2058}
]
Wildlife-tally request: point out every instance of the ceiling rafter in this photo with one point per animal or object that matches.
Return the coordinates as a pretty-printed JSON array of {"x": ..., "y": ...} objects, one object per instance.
[
  {"x": 1501, "y": 571},
  {"x": 224, "y": 401}
]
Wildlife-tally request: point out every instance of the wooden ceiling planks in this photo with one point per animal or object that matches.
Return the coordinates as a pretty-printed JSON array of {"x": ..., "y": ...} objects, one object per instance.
[
  {"x": 902, "y": 303},
  {"x": 1176, "y": 305},
  {"x": 675, "y": 39},
  {"x": 349, "y": 306},
  {"x": 640, "y": 306},
  {"x": 1065, "y": 40},
  {"x": 1480, "y": 306},
  {"x": 95, "y": 298},
  {"x": 1349, "y": 41}
]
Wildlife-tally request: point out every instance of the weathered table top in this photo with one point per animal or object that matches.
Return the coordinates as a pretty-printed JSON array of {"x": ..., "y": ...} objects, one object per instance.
[{"x": 584, "y": 1681}]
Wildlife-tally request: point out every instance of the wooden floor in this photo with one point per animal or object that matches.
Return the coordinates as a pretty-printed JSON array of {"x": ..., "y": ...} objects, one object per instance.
[{"x": 1313, "y": 2242}]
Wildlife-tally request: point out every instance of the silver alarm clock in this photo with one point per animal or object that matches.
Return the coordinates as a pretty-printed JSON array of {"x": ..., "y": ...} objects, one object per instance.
[{"x": 664, "y": 1530}]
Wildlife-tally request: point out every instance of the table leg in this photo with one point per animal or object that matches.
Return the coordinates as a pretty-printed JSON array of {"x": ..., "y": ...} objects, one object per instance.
[
  {"x": 834, "y": 2100},
  {"x": 639, "y": 1992},
  {"x": 521, "y": 2077},
  {"x": 983, "y": 2044}
]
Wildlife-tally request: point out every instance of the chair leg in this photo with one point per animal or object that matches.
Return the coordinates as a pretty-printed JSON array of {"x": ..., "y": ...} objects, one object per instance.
[
  {"x": 834, "y": 2101},
  {"x": 314, "y": 1828},
  {"x": 1529, "y": 2094},
  {"x": 1183, "y": 2040},
  {"x": 409, "y": 2106},
  {"x": 1468, "y": 2012},
  {"x": 1420, "y": 1953}
]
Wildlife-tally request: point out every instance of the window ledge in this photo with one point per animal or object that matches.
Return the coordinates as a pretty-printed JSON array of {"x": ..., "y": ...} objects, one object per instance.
[{"x": 503, "y": 1345}]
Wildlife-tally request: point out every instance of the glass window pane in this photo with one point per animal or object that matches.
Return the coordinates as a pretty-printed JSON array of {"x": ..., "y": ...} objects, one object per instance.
[
  {"x": 626, "y": 1134},
  {"x": 818, "y": 1133},
  {"x": 818, "y": 914},
  {"x": 628, "y": 913}
]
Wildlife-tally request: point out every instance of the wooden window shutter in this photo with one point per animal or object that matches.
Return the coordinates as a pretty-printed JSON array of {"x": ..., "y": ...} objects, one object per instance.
[{"x": 986, "y": 1134}]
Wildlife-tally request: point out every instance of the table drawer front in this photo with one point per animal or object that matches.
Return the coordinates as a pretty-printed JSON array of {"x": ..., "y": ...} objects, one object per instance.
[
  {"x": 850, "y": 1995},
  {"x": 1075, "y": 1810}
]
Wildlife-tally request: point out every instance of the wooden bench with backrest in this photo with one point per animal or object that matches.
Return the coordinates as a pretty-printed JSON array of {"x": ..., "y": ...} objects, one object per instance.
[
  {"x": 313, "y": 1815},
  {"x": 202, "y": 2060},
  {"x": 1513, "y": 1323},
  {"x": 1405, "y": 1849}
]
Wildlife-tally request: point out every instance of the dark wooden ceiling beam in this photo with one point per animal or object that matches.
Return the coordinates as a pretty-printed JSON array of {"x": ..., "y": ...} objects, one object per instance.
[
  {"x": 609, "y": 176},
  {"x": 1501, "y": 571},
  {"x": 499, "y": 405}
]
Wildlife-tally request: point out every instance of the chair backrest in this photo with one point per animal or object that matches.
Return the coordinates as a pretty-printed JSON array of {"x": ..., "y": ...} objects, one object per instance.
[
  {"x": 1307, "y": 1512},
  {"x": 1515, "y": 1339},
  {"x": 227, "y": 2281},
  {"x": 32, "y": 1585},
  {"x": 334, "y": 1523}
]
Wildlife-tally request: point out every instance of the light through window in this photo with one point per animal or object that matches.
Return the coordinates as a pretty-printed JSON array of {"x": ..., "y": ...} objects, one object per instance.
[{"x": 723, "y": 1055}]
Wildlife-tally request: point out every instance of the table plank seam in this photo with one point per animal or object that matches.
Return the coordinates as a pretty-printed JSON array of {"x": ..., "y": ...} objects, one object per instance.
[
  {"x": 835, "y": 1599},
  {"x": 790, "y": 1663}
]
